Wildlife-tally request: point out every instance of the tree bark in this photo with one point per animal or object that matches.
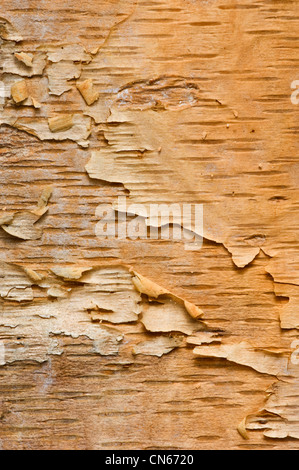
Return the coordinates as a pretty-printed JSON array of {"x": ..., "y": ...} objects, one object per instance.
[{"x": 122, "y": 342}]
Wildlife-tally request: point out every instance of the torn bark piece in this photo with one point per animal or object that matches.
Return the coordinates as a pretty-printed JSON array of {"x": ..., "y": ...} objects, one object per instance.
[
  {"x": 244, "y": 354},
  {"x": 61, "y": 123},
  {"x": 147, "y": 287},
  {"x": 19, "y": 91},
  {"x": 22, "y": 226},
  {"x": 20, "y": 294},
  {"x": 71, "y": 273},
  {"x": 168, "y": 317},
  {"x": 110, "y": 295},
  {"x": 242, "y": 256},
  {"x": 59, "y": 75},
  {"x": 26, "y": 59},
  {"x": 13, "y": 61},
  {"x": 69, "y": 52},
  {"x": 280, "y": 418},
  {"x": 15, "y": 284},
  {"x": 111, "y": 313},
  {"x": 36, "y": 104},
  {"x": 289, "y": 314},
  {"x": 193, "y": 310},
  {"x": 39, "y": 127},
  {"x": 42, "y": 205},
  {"x": 164, "y": 92},
  {"x": 23, "y": 223},
  {"x": 87, "y": 91},
  {"x": 8, "y": 31},
  {"x": 242, "y": 429},
  {"x": 158, "y": 346},
  {"x": 31, "y": 102},
  {"x": 34, "y": 88},
  {"x": 205, "y": 337},
  {"x": 58, "y": 292},
  {"x": 153, "y": 290},
  {"x": 33, "y": 275}
]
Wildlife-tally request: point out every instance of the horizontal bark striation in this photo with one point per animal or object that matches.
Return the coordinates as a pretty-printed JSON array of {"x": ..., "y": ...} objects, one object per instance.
[{"x": 182, "y": 102}]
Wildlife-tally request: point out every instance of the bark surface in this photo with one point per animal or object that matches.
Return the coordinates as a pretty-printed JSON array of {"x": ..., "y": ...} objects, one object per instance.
[{"x": 149, "y": 343}]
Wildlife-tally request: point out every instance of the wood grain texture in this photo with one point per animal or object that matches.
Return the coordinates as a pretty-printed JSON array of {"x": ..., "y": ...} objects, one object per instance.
[{"x": 183, "y": 101}]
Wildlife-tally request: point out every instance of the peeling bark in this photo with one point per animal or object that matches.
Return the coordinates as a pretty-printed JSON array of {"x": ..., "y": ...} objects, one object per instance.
[{"x": 162, "y": 102}]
